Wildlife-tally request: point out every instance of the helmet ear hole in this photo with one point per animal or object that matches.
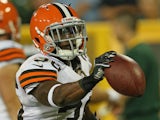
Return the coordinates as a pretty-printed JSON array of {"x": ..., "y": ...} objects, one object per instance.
[{"x": 37, "y": 40}]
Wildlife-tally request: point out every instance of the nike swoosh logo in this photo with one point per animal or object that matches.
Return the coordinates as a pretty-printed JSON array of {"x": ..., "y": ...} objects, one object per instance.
[{"x": 38, "y": 65}]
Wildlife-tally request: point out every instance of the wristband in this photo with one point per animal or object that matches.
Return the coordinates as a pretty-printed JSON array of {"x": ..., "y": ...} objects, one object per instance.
[{"x": 50, "y": 95}]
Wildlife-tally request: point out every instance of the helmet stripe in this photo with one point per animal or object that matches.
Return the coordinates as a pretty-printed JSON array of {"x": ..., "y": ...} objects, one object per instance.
[
  {"x": 69, "y": 10},
  {"x": 64, "y": 11}
]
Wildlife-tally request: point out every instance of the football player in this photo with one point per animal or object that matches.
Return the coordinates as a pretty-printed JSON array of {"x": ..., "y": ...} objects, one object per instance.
[
  {"x": 11, "y": 56},
  {"x": 56, "y": 83}
]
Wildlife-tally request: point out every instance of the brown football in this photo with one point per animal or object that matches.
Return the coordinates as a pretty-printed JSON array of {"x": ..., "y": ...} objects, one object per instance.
[{"x": 125, "y": 76}]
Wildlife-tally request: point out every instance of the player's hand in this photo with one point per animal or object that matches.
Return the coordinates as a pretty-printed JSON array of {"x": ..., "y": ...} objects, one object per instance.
[{"x": 102, "y": 62}]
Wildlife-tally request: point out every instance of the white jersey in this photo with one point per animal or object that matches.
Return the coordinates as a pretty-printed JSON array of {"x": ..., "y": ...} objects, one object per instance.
[
  {"x": 10, "y": 52},
  {"x": 39, "y": 68}
]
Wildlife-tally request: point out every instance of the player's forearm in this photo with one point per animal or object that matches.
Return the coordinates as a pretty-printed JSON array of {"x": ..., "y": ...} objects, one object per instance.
[
  {"x": 71, "y": 93},
  {"x": 67, "y": 94},
  {"x": 54, "y": 93}
]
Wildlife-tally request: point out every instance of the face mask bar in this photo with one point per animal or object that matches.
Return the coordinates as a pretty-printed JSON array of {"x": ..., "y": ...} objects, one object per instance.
[{"x": 68, "y": 39}]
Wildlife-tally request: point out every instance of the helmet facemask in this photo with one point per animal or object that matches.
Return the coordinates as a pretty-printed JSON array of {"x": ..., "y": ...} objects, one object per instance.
[{"x": 66, "y": 39}]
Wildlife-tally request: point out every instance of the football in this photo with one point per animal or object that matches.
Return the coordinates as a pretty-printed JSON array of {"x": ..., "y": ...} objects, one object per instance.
[{"x": 125, "y": 76}]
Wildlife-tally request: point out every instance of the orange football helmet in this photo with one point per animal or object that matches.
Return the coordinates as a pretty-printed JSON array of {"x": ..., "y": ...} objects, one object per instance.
[
  {"x": 56, "y": 30},
  {"x": 9, "y": 20}
]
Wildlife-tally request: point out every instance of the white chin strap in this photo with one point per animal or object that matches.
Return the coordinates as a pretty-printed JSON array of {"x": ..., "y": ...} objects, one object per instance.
[
  {"x": 70, "y": 54},
  {"x": 67, "y": 54}
]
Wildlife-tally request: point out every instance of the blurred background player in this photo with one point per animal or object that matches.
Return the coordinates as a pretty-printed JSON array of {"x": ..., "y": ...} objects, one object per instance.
[
  {"x": 11, "y": 56},
  {"x": 108, "y": 9},
  {"x": 143, "y": 9},
  {"x": 147, "y": 106},
  {"x": 56, "y": 83},
  {"x": 149, "y": 9}
]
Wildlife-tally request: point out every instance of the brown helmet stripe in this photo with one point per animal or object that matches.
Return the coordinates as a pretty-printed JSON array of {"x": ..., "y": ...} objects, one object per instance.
[{"x": 63, "y": 9}]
